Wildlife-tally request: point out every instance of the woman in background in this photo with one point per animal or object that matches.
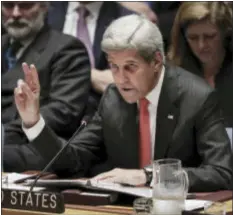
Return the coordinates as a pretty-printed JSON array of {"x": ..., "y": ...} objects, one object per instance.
[{"x": 201, "y": 42}]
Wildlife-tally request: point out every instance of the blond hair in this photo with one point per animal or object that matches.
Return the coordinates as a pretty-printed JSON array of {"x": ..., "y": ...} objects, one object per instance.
[{"x": 218, "y": 13}]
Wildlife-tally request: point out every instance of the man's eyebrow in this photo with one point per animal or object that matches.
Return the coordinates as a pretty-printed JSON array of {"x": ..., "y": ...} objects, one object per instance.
[{"x": 130, "y": 61}]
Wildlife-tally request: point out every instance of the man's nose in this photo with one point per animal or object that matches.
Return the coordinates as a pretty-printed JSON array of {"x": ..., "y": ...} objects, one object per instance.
[
  {"x": 122, "y": 77},
  {"x": 16, "y": 13}
]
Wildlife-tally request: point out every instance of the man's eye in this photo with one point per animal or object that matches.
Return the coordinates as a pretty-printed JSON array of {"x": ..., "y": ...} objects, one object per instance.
[
  {"x": 131, "y": 67},
  {"x": 113, "y": 67},
  {"x": 8, "y": 5},
  {"x": 26, "y": 5}
]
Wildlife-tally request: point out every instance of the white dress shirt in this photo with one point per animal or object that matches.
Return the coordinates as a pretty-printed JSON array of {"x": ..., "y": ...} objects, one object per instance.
[
  {"x": 153, "y": 98},
  {"x": 72, "y": 16}
]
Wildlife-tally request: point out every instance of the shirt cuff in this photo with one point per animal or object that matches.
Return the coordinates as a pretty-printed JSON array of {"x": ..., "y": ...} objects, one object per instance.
[{"x": 33, "y": 132}]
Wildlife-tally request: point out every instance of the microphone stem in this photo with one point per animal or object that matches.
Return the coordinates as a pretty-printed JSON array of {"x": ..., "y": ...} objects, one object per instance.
[{"x": 83, "y": 124}]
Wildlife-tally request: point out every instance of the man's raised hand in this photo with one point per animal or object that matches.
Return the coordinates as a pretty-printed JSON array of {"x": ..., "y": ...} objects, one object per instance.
[{"x": 27, "y": 95}]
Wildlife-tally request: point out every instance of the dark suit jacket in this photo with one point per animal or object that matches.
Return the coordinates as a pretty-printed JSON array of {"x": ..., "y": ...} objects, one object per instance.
[
  {"x": 195, "y": 135},
  {"x": 109, "y": 11},
  {"x": 64, "y": 73},
  {"x": 223, "y": 82}
]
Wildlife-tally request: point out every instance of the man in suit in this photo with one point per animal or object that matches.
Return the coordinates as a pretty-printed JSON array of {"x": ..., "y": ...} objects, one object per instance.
[
  {"x": 63, "y": 69},
  {"x": 67, "y": 18},
  {"x": 152, "y": 111}
]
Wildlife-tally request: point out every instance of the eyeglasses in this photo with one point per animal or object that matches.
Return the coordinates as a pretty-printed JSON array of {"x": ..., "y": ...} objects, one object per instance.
[{"x": 21, "y": 5}]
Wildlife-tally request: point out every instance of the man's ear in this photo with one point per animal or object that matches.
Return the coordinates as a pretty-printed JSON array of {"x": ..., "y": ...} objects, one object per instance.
[{"x": 158, "y": 61}]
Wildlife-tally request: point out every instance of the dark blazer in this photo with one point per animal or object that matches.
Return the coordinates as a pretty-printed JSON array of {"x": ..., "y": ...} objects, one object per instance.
[
  {"x": 64, "y": 73},
  {"x": 223, "y": 82},
  {"x": 195, "y": 135},
  {"x": 109, "y": 11}
]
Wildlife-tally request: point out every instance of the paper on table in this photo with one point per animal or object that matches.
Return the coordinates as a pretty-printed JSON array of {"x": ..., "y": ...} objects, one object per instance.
[
  {"x": 20, "y": 187},
  {"x": 135, "y": 191},
  {"x": 192, "y": 204},
  {"x": 13, "y": 177},
  {"x": 94, "y": 185}
]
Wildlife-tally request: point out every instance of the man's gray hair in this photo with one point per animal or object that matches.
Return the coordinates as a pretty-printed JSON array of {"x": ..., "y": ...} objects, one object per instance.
[{"x": 134, "y": 32}]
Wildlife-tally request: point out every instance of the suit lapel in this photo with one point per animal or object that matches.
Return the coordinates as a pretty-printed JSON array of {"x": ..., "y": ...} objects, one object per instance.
[
  {"x": 129, "y": 134},
  {"x": 31, "y": 56},
  {"x": 167, "y": 114}
]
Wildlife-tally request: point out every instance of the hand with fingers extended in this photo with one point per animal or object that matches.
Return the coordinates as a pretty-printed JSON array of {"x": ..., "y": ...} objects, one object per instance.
[
  {"x": 27, "y": 95},
  {"x": 134, "y": 177}
]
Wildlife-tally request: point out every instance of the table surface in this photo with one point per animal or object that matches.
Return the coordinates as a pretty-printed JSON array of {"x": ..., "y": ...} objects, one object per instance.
[{"x": 92, "y": 210}]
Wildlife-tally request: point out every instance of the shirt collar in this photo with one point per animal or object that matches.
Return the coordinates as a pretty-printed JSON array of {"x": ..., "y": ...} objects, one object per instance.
[
  {"x": 93, "y": 8},
  {"x": 153, "y": 96}
]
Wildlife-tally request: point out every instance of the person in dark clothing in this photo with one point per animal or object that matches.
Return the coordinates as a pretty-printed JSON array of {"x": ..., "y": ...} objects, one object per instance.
[
  {"x": 63, "y": 70},
  {"x": 202, "y": 44}
]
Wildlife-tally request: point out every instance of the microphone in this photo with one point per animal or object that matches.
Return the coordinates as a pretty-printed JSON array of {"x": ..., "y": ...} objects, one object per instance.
[{"x": 82, "y": 125}]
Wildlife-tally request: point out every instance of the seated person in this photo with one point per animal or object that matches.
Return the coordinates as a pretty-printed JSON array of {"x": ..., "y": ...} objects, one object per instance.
[
  {"x": 88, "y": 21},
  {"x": 151, "y": 112},
  {"x": 202, "y": 44},
  {"x": 63, "y": 69}
]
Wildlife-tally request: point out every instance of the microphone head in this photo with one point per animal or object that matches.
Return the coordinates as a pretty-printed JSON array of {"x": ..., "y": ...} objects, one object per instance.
[{"x": 84, "y": 122}]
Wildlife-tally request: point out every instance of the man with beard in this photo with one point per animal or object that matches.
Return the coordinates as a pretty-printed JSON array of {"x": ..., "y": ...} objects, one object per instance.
[{"x": 64, "y": 73}]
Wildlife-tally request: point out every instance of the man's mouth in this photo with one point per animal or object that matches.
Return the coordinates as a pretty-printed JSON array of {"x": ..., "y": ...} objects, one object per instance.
[
  {"x": 17, "y": 25},
  {"x": 126, "y": 89}
]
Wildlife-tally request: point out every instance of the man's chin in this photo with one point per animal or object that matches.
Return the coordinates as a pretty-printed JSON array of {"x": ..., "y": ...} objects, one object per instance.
[
  {"x": 19, "y": 34},
  {"x": 129, "y": 99}
]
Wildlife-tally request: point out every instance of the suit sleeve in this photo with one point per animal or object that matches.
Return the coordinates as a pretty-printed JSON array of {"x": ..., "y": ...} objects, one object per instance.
[
  {"x": 85, "y": 149},
  {"x": 215, "y": 171},
  {"x": 63, "y": 100}
]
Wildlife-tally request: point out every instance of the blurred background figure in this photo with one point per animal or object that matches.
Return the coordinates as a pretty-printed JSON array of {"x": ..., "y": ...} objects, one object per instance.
[
  {"x": 141, "y": 8},
  {"x": 165, "y": 12},
  {"x": 201, "y": 42},
  {"x": 88, "y": 21},
  {"x": 64, "y": 73}
]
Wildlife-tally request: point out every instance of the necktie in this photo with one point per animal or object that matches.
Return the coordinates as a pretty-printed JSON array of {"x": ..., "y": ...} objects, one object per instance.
[
  {"x": 144, "y": 131},
  {"x": 11, "y": 54},
  {"x": 82, "y": 32}
]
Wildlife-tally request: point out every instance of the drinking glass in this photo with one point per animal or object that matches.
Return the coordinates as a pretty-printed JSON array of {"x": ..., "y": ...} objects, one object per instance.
[{"x": 170, "y": 187}]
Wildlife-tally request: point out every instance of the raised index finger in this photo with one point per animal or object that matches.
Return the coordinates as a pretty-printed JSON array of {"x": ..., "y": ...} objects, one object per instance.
[{"x": 27, "y": 73}]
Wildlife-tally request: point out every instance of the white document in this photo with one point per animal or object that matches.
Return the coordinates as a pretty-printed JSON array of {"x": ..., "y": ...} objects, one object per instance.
[
  {"x": 135, "y": 191},
  {"x": 20, "y": 187},
  {"x": 13, "y": 177},
  {"x": 94, "y": 185},
  {"x": 192, "y": 204}
]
